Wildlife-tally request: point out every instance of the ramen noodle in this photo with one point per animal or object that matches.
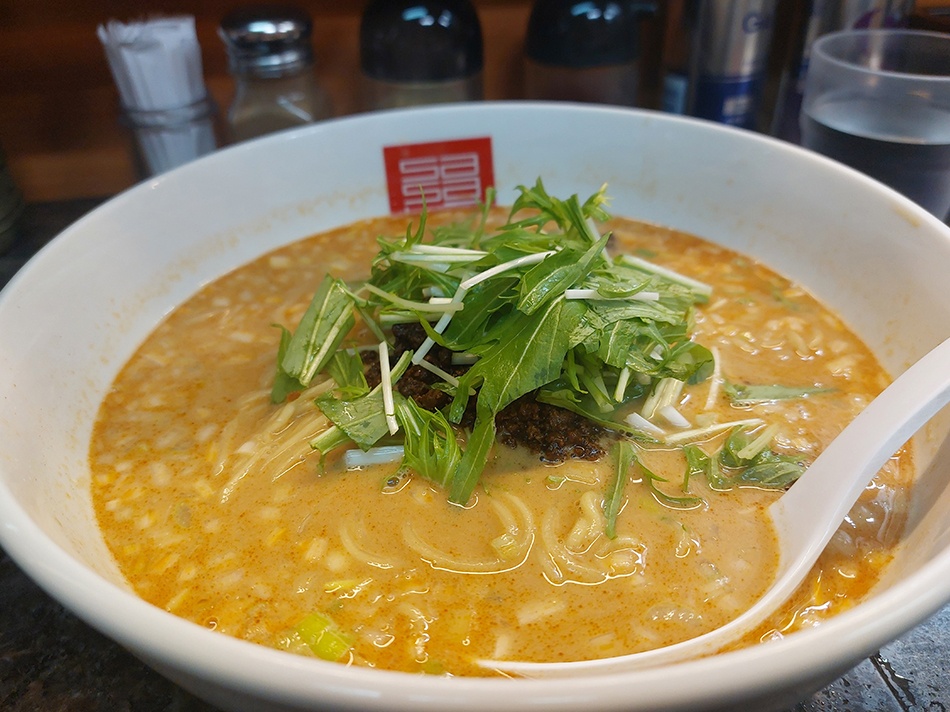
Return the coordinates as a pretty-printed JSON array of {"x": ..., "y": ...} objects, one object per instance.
[{"x": 218, "y": 510}]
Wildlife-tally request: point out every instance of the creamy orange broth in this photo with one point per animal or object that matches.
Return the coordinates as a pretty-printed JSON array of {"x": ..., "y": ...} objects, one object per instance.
[{"x": 217, "y": 510}]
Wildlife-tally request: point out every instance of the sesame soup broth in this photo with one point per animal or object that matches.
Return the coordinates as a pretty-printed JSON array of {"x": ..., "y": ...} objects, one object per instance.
[{"x": 217, "y": 510}]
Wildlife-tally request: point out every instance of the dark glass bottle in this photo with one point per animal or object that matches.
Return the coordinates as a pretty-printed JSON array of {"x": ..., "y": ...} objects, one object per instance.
[
  {"x": 585, "y": 51},
  {"x": 420, "y": 52},
  {"x": 11, "y": 206}
]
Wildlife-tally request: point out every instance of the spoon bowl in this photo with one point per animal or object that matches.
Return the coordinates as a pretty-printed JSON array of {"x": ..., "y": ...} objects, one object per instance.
[{"x": 806, "y": 516}]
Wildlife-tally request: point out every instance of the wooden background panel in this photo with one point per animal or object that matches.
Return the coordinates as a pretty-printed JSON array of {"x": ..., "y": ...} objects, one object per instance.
[{"x": 58, "y": 105}]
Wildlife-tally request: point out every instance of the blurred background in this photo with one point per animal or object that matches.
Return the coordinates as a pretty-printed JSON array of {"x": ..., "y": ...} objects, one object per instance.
[{"x": 59, "y": 111}]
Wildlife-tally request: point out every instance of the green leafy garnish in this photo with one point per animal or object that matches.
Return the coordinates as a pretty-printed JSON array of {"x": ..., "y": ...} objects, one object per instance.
[
  {"x": 699, "y": 463},
  {"x": 625, "y": 457},
  {"x": 501, "y": 296},
  {"x": 284, "y": 383},
  {"x": 772, "y": 471},
  {"x": 745, "y": 394},
  {"x": 362, "y": 419},
  {"x": 651, "y": 478},
  {"x": 431, "y": 448},
  {"x": 325, "y": 324},
  {"x": 346, "y": 368},
  {"x": 755, "y": 464}
]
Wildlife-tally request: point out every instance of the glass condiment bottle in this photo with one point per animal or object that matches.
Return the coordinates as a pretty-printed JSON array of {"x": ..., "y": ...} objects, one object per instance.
[
  {"x": 420, "y": 52},
  {"x": 585, "y": 51},
  {"x": 271, "y": 58}
]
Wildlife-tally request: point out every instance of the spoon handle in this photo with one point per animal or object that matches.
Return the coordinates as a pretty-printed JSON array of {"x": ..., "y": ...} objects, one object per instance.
[
  {"x": 808, "y": 514},
  {"x": 811, "y": 511}
]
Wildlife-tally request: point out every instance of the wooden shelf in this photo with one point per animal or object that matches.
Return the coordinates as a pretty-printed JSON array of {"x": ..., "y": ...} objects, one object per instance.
[{"x": 58, "y": 105}]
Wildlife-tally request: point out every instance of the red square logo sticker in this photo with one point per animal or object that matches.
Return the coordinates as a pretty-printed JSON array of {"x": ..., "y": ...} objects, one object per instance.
[{"x": 445, "y": 174}]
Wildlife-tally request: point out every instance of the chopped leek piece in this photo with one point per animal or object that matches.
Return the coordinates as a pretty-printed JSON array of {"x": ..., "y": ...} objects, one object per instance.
[{"x": 323, "y": 637}]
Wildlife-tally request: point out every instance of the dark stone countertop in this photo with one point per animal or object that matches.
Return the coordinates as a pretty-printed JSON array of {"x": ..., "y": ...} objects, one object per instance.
[{"x": 50, "y": 661}]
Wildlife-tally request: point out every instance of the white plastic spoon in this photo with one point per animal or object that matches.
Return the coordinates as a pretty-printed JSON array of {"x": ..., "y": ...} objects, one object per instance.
[{"x": 805, "y": 517}]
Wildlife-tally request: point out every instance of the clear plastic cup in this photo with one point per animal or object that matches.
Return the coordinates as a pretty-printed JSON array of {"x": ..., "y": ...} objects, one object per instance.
[{"x": 879, "y": 101}]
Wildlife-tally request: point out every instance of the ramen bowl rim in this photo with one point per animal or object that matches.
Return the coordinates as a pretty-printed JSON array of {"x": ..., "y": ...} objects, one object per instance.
[{"x": 194, "y": 656}]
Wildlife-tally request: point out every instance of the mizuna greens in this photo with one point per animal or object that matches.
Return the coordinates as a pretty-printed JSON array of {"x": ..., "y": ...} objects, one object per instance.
[{"x": 539, "y": 305}]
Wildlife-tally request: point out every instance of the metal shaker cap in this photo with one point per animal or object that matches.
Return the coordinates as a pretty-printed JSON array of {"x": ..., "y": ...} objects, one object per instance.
[
  {"x": 267, "y": 40},
  {"x": 588, "y": 33},
  {"x": 420, "y": 40}
]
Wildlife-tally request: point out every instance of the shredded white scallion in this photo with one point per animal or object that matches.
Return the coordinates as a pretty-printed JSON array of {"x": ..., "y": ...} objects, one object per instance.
[
  {"x": 437, "y": 258},
  {"x": 444, "y": 375},
  {"x": 622, "y": 380},
  {"x": 354, "y": 459},
  {"x": 593, "y": 294},
  {"x": 672, "y": 416},
  {"x": 447, "y": 250},
  {"x": 672, "y": 275},
  {"x": 715, "y": 380},
  {"x": 446, "y": 308},
  {"x": 666, "y": 392},
  {"x": 635, "y": 420},
  {"x": 441, "y": 325},
  {"x": 531, "y": 259},
  {"x": 386, "y": 381},
  {"x": 708, "y": 431}
]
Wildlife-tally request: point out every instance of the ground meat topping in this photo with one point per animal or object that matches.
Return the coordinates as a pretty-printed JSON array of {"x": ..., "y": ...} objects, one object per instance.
[{"x": 556, "y": 434}]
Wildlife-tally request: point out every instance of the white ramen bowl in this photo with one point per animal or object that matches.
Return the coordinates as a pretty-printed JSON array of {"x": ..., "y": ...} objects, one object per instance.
[{"x": 76, "y": 313}]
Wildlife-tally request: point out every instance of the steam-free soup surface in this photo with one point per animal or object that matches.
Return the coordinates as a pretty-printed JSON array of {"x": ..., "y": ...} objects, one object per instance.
[{"x": 217, "y": 509}]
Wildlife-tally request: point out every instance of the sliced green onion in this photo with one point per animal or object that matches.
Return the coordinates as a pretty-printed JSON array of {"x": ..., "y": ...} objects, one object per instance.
[{"x": 323, "y": 637}]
